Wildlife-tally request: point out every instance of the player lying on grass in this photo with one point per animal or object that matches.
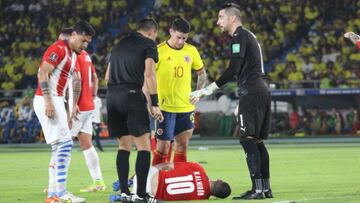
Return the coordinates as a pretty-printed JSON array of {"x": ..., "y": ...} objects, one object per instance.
[{"x": 181, "y": 181}]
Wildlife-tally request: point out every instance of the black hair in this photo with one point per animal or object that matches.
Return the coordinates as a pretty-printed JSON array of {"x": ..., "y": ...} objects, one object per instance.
[
  {"x": 147, "y": 24},
  {"x": 67, "y": 31},
  {"x": 83, "y": 27},
  {"x": 221, "y": 189},
  {"x": 229, "y": 5},
  {"x": 181, "y": 25}
]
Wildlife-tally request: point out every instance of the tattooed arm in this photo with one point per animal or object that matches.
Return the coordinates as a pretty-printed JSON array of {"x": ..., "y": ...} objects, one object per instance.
[
  {"x": 201, "y": 81},
  {"x": 43, "y": 75}
]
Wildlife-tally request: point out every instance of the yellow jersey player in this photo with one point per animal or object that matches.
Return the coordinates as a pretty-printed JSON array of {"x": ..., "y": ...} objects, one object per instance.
[{"x": 173, "y": 72}]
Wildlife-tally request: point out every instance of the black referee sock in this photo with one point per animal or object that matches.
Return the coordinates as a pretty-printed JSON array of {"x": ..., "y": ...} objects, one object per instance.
[
  {"x": 122, "y": 165},
  {"x": 142, "y": 169},
  {"x": 253, "y": 161},
  {"x": 265, "y": 166}
]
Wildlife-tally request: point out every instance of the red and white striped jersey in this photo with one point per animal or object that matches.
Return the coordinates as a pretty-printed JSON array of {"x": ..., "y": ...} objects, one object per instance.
[
  {"x": 63, "y": 59},
  {"x": 187, "y": 181},
  {"x": 86, "y": 100}
]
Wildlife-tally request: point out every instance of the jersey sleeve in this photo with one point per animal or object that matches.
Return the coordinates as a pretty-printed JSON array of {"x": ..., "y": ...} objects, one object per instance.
[
  {"x": 238, "y": 46},
  {"x": 358, "y": 44},
  {"x": 54, "y": 54},
  {"x": 151, "y": 52},
  {"x": 197, "y": 61}
]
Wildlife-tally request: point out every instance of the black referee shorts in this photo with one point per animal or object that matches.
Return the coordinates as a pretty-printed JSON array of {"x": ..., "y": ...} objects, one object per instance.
[
  {"x": 254, "y": 115},
  {"x": 127, "y": 111}
]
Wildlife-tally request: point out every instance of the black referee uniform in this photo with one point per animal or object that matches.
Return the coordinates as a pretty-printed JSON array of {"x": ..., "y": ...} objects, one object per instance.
[
  {"x": 246, "y": 64},
  {"x": 127, "y": 108},
  {"x": 126, "y": 103}
]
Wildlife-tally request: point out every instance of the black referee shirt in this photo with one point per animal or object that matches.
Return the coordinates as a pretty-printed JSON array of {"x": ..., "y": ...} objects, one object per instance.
[
  {"x": 246, "y": 63},
  {"x": 127, "y": 60}
]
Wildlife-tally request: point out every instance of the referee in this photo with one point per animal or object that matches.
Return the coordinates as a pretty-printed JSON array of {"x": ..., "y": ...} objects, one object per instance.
[
  {"x": 132, "y": 66},
  {"x": 246, "y": 64}
]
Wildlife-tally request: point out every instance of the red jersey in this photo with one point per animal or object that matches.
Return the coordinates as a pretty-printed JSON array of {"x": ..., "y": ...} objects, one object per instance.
[
  {"x": 63, "y": 59},
  {"x": 358, "y": 44},
  {"x": 187, "y": 181},
  {"x": 86, "y": 101}
]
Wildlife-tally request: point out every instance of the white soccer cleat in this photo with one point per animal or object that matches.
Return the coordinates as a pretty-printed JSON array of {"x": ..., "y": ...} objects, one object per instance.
[{"x": 70, "y": 198}]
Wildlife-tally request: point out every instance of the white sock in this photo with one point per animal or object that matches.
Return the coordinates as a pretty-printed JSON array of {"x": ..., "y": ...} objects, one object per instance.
[
  {"x": 93, "y": 163},
  {"x": 62, "y": 162},
  {"x": 52, "y": 178}
]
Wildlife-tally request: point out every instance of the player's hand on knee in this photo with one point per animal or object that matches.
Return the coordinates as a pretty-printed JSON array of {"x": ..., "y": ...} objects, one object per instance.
[{"x": 50, "y": 110}]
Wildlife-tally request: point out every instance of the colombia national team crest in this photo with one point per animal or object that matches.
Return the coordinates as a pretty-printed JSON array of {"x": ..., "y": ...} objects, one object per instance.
[
  {"x": 160, "y": 131},
  {"x": 187, "y": 59}
]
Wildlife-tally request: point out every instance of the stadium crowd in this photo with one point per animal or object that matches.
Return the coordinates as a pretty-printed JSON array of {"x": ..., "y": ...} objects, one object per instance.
[{"x": 302, "y": 42}]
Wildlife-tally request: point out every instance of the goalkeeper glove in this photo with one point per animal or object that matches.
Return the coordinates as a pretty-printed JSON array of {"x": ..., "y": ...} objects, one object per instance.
[{"x": 204, "y": 91}]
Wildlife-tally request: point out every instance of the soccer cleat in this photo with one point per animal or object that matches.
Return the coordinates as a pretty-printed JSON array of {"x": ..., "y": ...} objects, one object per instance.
[
  {"x": 151, "y": 199},
  {"x": 119, "y": 198},
  {"x": 54, "y": 199},
  {"x": 250, "y": 195},
  {"x": 241, "y": 196},
  {"x": 97, "y": 186},
  {"x": 70, "y": 198},
  {"x": 268, "y": 194}
]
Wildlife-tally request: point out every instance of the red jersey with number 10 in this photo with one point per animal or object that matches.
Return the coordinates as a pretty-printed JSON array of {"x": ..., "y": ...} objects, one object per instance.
[
  {"x": 187, "y": 181},
  {"x": 86, "y": 100},
  {"x": 63, "y": 59}
]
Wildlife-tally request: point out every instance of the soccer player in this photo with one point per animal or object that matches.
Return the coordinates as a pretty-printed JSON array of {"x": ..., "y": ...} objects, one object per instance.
[
  {"x": 173, "y": 71},
  {"x": 132, "y": 66},
  {"x": 96, "y": 119},
  {"x": 353, "y": 37},
  {"x": 57, "y": 67},
  {"x": 82, "y": 126},
  {"x": 183, "y": 181},
  {"x": 246, "y": 64}
]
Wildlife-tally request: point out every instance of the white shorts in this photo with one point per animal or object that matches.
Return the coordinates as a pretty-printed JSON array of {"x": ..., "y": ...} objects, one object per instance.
[
  {"x": 57, "y": 129},
  {"x": 84, "y": 124},
  {"x": 152, "y": 172}
]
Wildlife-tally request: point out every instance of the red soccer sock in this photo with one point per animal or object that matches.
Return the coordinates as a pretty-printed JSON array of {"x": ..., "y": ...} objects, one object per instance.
[
  {"x": 168, "y": 156},
  {"x": 153, "y": 143},
  {"x": 158, "y": 158},
  {"x": 180, "y": 157}
]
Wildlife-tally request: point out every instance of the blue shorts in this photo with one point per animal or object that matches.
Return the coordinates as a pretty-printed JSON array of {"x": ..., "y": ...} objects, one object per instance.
[{"x": 174, "y": 124}]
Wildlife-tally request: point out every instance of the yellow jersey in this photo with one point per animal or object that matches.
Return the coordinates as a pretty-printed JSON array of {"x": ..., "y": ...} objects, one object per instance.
[{"x": 173, "y": 74}]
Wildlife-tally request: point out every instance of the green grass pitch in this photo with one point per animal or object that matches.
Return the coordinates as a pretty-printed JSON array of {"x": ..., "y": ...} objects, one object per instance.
[{"x": 299, "y": 172}]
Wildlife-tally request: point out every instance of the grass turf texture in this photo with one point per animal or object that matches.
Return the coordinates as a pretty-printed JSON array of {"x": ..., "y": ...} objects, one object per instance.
[{"x": 299, "y": 172}]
